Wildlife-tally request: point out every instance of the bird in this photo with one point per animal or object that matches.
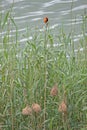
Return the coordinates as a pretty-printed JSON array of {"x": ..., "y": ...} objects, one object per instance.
[{"x": 45, "y": 20}]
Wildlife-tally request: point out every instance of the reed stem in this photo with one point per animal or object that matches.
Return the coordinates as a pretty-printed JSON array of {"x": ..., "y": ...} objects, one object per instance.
[{"x": 45, "y": 74}]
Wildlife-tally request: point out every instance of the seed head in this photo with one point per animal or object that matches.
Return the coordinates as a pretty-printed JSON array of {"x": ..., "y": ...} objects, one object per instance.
[
  {"x": 54, "y": 90},
  {"x": 45, "y": 19},
  {"x": 27, "y": 111},
  {"x": 62, "y": 107},
  {"x": 36, "y": 107}
]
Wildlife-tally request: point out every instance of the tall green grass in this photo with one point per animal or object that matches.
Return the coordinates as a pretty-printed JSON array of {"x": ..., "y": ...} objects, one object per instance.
[{"x": 27, "y": 75}]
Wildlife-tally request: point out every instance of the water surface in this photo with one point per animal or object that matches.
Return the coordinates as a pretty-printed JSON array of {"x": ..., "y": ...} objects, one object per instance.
[{"x": 30, "y": 13}]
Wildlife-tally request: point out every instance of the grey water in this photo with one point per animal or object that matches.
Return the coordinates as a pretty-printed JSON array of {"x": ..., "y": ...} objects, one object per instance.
[{"x": 30, "y": 13}]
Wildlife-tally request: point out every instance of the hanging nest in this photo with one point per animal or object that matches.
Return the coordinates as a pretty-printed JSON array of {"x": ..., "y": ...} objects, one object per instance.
[
  {"x": 36, "y": 108},
  {"x": 54, "y": 90},
  {"x": 27, "y": 111},
  {"x": 62, "y": 107}
]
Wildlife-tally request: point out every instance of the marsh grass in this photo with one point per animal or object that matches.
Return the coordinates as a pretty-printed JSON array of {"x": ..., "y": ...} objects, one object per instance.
[{"x": 28, "y": 74}]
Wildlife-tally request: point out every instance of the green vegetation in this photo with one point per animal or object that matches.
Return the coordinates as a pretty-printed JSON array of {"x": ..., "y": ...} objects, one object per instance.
[{"x": 29, "y": 72}]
